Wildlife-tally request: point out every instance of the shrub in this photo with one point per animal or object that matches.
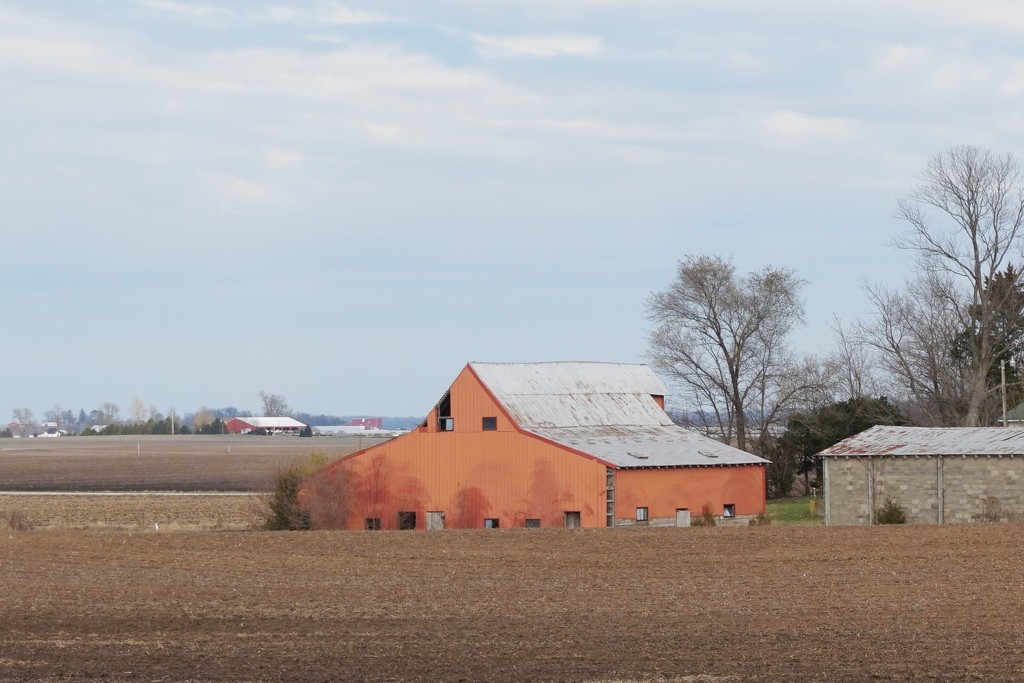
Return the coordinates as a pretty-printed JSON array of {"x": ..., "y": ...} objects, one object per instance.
[
  {"x": 284, "y": 510},
  {"x": 285, "y": 513},
  {"x": 17, "y": 520},
  {"x": 761, "y": 520},
  {"x": 991, "y": 510},
  {"x": 891, "y": 513},
  {"x": 706, "y": 519}
]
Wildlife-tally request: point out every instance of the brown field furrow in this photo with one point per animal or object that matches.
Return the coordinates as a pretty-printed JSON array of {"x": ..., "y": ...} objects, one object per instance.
[
  {"x": 97, "y": 592},
  {"x": 134, "y": 513},
  {"x": 158, "y": 463},
  {"x": 758, "y": 604}
]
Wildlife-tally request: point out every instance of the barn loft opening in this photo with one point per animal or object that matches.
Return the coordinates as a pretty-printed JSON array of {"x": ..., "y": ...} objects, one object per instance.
[{"x": 445, "y": 423}]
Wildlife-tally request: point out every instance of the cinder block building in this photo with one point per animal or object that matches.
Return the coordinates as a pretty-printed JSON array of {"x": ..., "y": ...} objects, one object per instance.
[
  {"x": 938, "y": 475},
  {"x": 571, "y": 444}
]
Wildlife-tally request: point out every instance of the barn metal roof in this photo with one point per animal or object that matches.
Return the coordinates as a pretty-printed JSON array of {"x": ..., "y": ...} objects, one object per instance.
[
  {"x": 604, "y": 409},
  {"x": 887, "y": 440},
  {"x": 654, "y": 446},
  {"x": 575, "y": 394}
]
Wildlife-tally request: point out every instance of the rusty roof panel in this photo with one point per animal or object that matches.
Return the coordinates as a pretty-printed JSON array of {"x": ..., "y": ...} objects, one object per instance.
[{"x": 887, "y": 440}]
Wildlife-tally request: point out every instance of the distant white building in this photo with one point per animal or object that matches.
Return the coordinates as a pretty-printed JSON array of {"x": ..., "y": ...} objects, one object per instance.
[{"x": 272, "y": 425}]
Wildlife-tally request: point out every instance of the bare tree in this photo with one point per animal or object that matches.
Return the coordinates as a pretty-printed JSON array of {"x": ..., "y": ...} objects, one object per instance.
[
  {"x": 110, "y": 412},
  {"x": 202, "y": 418},
  {"x": 912, "y": 332},
  {"x": 139, "y": 411},
  {"x": 24, "y": 418},
  {"x": 274, "y": 405},
  {"x": 852, "y": 365},
  {"x": 965, "y": 218},
  {"x": 57, "y": 416},
  {"x": 723, "y": 340}
]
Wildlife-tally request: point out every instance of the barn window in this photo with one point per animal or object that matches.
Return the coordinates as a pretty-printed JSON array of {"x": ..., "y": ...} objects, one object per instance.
[
  {"x": 641, "y": 515},
  {"x": 533, "y": 524},
  {"x": 406, "y": 521},
  {"x": 729, "y": 510},
  {"x": 491, "y": 523},
  {"x": 372, "y": 524},
  {"x": 490, "y": 424}
]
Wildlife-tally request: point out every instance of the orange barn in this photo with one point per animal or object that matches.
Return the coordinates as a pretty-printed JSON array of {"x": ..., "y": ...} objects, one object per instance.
[{"x": 541, "y": 445}]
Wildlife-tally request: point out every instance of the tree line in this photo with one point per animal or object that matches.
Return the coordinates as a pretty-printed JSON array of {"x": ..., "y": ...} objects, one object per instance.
[
  {"x": 940, "y": 350},
  {"x": 107, "y": 419}
]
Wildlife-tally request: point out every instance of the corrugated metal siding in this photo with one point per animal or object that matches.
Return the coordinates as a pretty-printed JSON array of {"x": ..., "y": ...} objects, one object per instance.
[
  {"x": 470, "y": 477},
  {"x": 665, "y": 491},
  {"x": 888, "y": 440}
]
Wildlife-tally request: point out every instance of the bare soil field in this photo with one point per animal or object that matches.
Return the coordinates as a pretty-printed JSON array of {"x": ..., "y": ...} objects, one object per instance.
[
  {"x": 159, "y": 463},
  {"x": 715, "y": 604}
]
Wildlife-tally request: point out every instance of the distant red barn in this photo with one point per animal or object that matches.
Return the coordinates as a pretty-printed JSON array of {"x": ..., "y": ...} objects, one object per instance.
[
  {"x": 541, "y": 444},
  {"x": 367, "y": 422}
]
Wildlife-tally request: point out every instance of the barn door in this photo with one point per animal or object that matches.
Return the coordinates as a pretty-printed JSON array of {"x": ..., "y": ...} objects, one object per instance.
[
  {"x": 435, "y": 521},
  {"x": 683, "y": 517},
  {"x": 572, "y": 520}
]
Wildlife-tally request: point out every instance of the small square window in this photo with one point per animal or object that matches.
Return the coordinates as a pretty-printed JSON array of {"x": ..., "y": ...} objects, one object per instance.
[
  {"x": 729, "y": 510},
  {"x": 491, "y": 523},
  {"x": 490, "y": 424},
  {"x": 641, "y": 514},
  {"x": 533, "y": 524},
  {"x": 445, "y": 424},
  {"x": 372, "y": 524}
]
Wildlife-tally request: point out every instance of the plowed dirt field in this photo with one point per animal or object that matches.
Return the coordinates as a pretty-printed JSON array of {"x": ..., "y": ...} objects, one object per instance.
[
  {"x": 714, "y": 604},
  {"x": 159, "y": 463}
]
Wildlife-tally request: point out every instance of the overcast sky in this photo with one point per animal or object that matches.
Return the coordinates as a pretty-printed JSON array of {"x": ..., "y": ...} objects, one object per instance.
[{"x": 344, "y": 203}]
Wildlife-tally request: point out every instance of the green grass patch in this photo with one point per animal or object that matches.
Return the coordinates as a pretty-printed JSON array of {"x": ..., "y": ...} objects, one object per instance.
[{"x": 795, "y": 511}]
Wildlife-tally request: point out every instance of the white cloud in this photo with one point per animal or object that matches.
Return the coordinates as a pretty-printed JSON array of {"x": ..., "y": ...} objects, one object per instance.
[
  {"x": 382, "y": 132},
  {"x": 191, "y": 10},
  {"x": 240, "y": 189},
  {"x": 900, "y": 57},
  {"x": 281, "y": 157},
  {"x": 547, "y": 45},
  {"x": 800, "y": 127},
  {"x": 589, "y": 128},
  {"x": 331, "y": 13}
]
